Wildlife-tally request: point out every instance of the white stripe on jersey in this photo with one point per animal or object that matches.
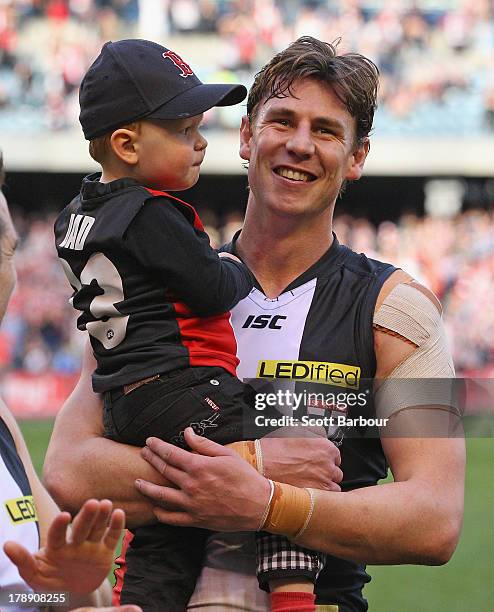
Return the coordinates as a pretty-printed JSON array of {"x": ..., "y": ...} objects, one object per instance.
[{"x": 263, "y": 342}]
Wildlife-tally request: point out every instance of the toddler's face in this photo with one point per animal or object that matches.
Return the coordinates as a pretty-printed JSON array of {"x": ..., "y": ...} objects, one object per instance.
[{"x": 170, "y": 153}]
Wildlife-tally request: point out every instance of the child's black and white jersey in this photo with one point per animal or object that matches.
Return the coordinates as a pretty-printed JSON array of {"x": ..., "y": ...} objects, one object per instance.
[{"x": 154, "y": 295}]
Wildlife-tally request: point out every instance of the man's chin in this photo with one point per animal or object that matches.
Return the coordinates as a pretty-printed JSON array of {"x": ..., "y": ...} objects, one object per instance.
[
  {"x": 296, "y": 208},
  {"x": 289, "y": 210}
]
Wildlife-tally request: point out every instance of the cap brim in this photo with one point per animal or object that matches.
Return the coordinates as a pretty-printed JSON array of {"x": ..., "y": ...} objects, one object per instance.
[{"x": 199, "y": 99}]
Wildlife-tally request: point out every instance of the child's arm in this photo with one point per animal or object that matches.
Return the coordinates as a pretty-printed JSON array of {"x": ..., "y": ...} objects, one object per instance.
[{"x": 163, "y": 240}]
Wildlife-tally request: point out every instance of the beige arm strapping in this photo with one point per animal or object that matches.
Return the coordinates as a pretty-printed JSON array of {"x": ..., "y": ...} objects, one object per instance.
[
  {"x": 409, "y": 312},
  {"x": 250, "y": 451}
]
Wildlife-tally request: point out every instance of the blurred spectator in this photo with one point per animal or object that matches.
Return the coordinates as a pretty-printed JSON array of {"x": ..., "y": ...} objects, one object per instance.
[
  {"x": 437, "y": 77},
  {"x": 185, "y": 16}
]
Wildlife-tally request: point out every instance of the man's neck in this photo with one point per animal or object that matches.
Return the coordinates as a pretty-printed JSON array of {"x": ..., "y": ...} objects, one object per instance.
[{"x": 279, "y": 250}]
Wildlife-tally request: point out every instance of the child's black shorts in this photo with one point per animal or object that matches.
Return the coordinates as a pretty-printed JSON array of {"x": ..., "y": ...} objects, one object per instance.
[{"x": 209, "y": 399}]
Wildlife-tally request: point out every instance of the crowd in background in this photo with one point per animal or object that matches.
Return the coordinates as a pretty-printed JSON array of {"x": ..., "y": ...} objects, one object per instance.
[
  {"x": 454, "y": 257},
  {"x": 436, "y": 57},
  {"x": 437, "y": 77}
]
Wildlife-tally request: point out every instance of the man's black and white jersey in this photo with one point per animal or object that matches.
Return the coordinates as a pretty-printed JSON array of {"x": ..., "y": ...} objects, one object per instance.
[
  {"x": 153, "y": 294},
  {"x": 320, "y": 329}
]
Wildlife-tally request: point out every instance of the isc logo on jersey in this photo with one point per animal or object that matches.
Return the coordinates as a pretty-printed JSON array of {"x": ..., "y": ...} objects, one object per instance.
[
  {"x": 338, "y": 374},
  {"x": 264, "y": 321}
]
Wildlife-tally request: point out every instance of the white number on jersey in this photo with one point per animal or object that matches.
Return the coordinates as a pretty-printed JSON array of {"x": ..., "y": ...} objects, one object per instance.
[{"x": 110, "y": 326}]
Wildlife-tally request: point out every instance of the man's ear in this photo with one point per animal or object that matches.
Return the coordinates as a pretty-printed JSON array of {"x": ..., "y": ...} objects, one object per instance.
[
  {"x": 245, "y": 136},
  {"x": 123, "y": 143},
  {"x": 357, "y": 161}
]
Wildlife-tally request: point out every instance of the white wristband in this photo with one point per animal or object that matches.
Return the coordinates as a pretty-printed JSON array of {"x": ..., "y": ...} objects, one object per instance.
[
  {"x": 259, "y": 458},
  {"x": 266, "y": 511}
]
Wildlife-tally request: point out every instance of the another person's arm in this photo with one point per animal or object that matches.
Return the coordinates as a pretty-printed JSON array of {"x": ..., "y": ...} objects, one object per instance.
[
  {"x": 81, "y": 564},
  {"x": 78, "y": 565}
]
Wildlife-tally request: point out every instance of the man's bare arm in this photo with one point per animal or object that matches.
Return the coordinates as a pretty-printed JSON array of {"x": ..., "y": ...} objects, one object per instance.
[
  {"x": 80, "y": 463},
  {"x": 416, "y": 519}
]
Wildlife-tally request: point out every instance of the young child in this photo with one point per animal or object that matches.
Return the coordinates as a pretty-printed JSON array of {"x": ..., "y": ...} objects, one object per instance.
[{"x": 155, "y": 296}]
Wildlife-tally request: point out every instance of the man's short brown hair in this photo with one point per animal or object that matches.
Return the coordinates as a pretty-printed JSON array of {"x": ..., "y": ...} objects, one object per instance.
[{"x": 353, "y": 77}]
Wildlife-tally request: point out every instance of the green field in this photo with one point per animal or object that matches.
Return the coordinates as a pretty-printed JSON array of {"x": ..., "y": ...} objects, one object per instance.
[{"x": 466, "y": 583}]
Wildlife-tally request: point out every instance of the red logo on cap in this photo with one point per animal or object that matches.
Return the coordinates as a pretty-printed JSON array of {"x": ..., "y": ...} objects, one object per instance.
[{"x": 179, "y": 63}]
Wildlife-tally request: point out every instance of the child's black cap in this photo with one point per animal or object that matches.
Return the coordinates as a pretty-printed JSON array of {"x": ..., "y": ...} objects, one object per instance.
[{"x": 137, "y": 79}]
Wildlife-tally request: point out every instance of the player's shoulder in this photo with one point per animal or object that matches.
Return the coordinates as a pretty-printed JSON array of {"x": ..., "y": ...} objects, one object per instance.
[
  {"x": 399, "y": 282},
  {"x": 360, "y": 263}
]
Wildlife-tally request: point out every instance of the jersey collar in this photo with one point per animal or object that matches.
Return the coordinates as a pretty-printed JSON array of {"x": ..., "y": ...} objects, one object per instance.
[
  {"x": 92, "y": 188},
  {"x": 331, "y": 259}
]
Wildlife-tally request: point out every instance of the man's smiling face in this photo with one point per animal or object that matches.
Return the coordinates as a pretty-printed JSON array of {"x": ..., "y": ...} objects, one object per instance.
[{"x": 300, "y": 149}]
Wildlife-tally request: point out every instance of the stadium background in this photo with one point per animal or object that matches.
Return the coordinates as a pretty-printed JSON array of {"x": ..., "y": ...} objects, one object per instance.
[{"x": 426, "y": 202}]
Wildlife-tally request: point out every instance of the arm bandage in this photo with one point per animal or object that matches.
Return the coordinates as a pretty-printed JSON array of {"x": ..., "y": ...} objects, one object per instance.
[
  {"x": 289, "y": 510},
  {"x": 251, "y": 451},
  {"x": 413, "y": 313}
]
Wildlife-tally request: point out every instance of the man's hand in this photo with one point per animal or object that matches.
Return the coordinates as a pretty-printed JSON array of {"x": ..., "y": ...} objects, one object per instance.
[
  {"x": 78, "y": 563},
  {"x": 312, "y": 461},
  {"x": 216, "y": 489}
]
